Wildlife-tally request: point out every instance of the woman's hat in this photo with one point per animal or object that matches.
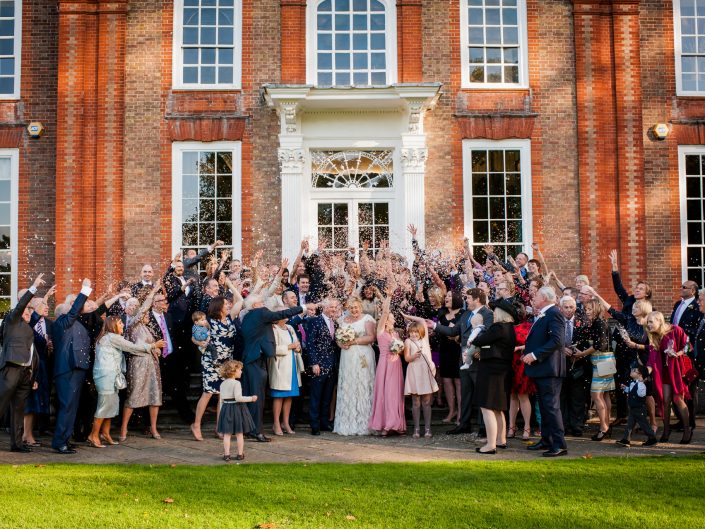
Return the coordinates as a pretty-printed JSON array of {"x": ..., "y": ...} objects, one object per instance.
[{"x": 507, "y": 306}]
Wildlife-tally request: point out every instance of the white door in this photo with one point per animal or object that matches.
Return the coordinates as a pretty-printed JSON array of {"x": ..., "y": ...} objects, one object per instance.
[{"x": 343, "y": 224}]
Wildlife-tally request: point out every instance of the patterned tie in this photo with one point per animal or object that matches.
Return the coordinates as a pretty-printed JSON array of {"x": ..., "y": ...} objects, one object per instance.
[
  {"x": 165, "y": 334},
  {"x": 569, "y": 333}
]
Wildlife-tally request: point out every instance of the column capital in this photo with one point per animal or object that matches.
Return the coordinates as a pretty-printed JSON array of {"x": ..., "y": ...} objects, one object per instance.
[
  {"x": 291, "y": 160},
  {"x": 413, "y": 159}
]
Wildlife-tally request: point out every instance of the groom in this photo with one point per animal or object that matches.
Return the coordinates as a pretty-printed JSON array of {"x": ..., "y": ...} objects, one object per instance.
[
  {"x": 321, "y": 361},
  {"x": 545, "y": 364}
]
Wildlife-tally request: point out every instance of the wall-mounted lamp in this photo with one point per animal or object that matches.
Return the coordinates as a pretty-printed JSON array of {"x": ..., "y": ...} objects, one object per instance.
[{"x": 661, "y": 131}]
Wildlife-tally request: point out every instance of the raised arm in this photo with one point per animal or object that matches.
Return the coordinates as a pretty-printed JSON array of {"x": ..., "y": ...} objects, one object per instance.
[
  {"x": 127, "y": 346},
  {"x": 295, "y": 267},
  {"x": 238, "y": 302},
  {"x": 269, "y": 316},
  {"x": 619, "y": 289},
  {"x": 386, "y": 304},
  {"x": 15, "y": 314},
  {"x": 148, "y": 301}
]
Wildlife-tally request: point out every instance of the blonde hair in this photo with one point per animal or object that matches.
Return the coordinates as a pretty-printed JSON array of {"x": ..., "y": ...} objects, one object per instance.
[
  {"x": 596, "y": 307},
  {"x": 229, "y": 368},
  {"x": 502, "y": 316},
  {"x": 353, "y": 299},
  {"x": 418, "y": 327},
  {"x": 437, "y": 293},
  {"x": 662, "y": 328},
  {"x": 644, "y": 306}
]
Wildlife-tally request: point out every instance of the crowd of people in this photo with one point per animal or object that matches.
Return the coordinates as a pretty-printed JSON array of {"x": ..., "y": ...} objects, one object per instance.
[{"x": 355, "y": 332}]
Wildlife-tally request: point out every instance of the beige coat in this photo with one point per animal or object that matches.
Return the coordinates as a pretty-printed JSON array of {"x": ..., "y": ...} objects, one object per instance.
[{"x": 280, "y": 365}]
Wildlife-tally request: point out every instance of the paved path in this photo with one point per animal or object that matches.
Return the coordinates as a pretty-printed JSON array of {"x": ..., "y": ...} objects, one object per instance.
[{"x": 178, "y": 447}]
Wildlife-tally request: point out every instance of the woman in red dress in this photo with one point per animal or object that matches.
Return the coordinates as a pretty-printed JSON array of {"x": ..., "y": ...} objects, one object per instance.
[
  {"x": 668, "y": 361},
  {"x": 522, "y": 386}
]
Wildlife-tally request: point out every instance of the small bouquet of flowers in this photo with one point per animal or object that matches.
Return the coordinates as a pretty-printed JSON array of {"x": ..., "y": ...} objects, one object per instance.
[
  {"x": 396, "y": 347},
  {"x": 345, "y": 335}
]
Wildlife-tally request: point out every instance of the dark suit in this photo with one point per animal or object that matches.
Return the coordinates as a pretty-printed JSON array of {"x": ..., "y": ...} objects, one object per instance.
[
  {"x": 259, "y": 345},
  {"x": 72, "y": 345},
  {"x": 545, "y": 341},
  {"x": 468, "y": 377},
  {"x": 15, "y": 377},
  {"x": 321, "y": 350},
  {"x": 690, "y": 322},
  {"x": 297, "y": 405}
]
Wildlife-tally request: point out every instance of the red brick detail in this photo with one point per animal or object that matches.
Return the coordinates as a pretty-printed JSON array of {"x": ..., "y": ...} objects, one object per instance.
[
  {"x": 293, "y": 41},
  {"x": 597, "y": 176},
  {"x": 689, "y": 133},
  {"x": 496, "y": 127},
  {"x": 489, "y": 100},
  {"x": 206, "y": 129},
  {"x": 409, "y": 41},
  {"x": 11, "y": 137}
]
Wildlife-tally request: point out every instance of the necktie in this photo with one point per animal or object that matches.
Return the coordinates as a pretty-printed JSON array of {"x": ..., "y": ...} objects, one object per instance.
[
  {"x": 569, "y": 333},
  {"x": 331, "y": 330},
  {"x": 165, "y": 334}
]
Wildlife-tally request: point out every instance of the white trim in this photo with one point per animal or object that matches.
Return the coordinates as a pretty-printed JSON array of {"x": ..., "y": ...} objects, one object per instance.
[
  {"x": 17, "y": 42},
  {"x": 177, "y": 148},
  {"x": 390, "y": 41},
  {"x": 177, "y": 62},
  {"x": 523, "y": 52},
  {"x": 524, "y": 147},
  {"x": 684, "y": 150},
  {"x": 14, "y": 155}
]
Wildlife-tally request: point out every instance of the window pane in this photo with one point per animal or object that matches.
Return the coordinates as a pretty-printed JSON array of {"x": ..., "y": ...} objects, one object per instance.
[
  {"x": 325, "y": 22},
  {"x": 207, "y": 188},
  {"x": 224, "y": 211},
  {"x": 189, "y": 186},
  {"x": 342, "y": 22},
  {"x": 189, "y": 234},
  {"x": 189, "y": 210},
  {"x": 325, "y": 61},
  {"x": 4, "y": 237},
  {"x": 325, "y": 214},
  {"x": 479, "y": 184}
]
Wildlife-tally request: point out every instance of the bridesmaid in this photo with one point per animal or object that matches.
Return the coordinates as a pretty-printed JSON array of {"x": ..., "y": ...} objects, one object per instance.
[{"x": 388, "y": 401}]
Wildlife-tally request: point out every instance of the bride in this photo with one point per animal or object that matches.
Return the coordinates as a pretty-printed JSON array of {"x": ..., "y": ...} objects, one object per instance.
[{"x": 356, "y": 375}]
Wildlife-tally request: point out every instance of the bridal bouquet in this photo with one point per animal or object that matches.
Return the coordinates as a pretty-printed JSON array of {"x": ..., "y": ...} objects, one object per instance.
[
  {"x": 396, "y": 347},
  {"x": 345, "y": 335}
]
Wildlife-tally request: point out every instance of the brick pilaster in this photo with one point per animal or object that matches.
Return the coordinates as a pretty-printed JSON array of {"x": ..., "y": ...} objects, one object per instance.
[
  {"x": 293, "y": 41},
  {"x": 409, "y": 41},
  {"x": 597, "y": 175}
]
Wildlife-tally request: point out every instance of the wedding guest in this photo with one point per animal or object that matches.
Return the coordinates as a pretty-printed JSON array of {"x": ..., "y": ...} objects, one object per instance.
[
  {"x": 637, "y": 408},
  {"x": 109, "y": 375},
  {"x": 546, "y": 366},
  {"x": 356, "y": 374},
  {"x": 667, "y": 360},
  {"x": 234, "y": 418},
  {"x": 388, "y": 396},
  {"x": 72, "y": 345},
  {"x": 420, "y": 381},
  {"x": 259, "y": 345},
  {"x": 579, "y": 371},
  {"x": 321, "y": 359},
  {"x": 285, "y": 369},
  {"x": 221, "y": 316},
  {"x": 521, "y": 386},
  {"x": 369, "y": 299},
  {"x": 449, "y": 367},
  {"x": 495, "y": 361},
  {"x": 144, "y": 381},
  {"x": 596, "y": 346},
  {"x": 146, "y": 275},
  {"x": 17, "y": 363}
]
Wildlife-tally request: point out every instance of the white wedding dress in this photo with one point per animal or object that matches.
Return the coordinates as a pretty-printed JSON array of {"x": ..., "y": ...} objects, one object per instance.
[{"x": 356, "y": 383}]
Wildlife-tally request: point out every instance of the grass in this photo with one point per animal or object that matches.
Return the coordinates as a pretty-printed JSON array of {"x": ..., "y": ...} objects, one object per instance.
[{"x": 654, "y": 492}]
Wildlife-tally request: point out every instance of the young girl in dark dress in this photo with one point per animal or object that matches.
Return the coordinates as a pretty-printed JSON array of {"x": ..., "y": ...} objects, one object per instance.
[{"x": 234, "y": 416}]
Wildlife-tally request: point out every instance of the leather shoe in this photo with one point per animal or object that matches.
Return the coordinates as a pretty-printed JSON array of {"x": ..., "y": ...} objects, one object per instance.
[
  {"x": 315, "y": 432},
  {"x": 24, "y": 449},
  {"x": 536, "y": 446},
  {"x": 489, "y": 452},
  {"x": 65, "y": 450},
  {"x": 458, "y": 430},
  {"x": 555, "y": 453},
  {"x": 326, "y": 428},
  {"x": 261, "y": 438}
]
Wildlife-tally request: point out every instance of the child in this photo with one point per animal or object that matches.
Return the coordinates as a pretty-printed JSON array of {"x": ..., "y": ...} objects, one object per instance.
[
  {"x": 201, "y": 330},
  {"x": 469, "y": 350},
  {"x": 234, "y": 416},
  {"x": 637, "y": 407},
  {"x": 420, "y": 375}
]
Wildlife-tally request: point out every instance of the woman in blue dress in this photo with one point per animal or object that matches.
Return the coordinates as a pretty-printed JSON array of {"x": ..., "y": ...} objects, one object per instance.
[
  {"x": 284, "y": 375},
  {"x": 218, "y": 350}
]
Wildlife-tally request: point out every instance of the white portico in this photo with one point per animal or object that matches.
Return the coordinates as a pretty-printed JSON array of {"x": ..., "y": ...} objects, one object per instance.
[{"x": 352, "y": 163}]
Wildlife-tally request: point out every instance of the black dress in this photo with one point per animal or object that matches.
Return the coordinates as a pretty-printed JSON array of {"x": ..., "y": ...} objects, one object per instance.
[
  {"x": 494, "y": 367},
  {"x": 450, "y": 348}
]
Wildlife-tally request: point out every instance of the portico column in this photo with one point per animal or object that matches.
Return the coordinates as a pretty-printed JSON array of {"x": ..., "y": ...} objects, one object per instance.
[
  {"x": 413, "y": 162},
  {"x": 291, "y": 159}
]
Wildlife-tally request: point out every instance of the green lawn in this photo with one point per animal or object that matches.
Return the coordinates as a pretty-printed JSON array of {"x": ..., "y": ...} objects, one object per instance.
[{"x": 592, "y": 493}]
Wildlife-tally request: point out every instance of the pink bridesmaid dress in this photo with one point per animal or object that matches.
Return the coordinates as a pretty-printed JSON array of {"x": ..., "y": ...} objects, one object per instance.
[{"x": 388, "y": 401}]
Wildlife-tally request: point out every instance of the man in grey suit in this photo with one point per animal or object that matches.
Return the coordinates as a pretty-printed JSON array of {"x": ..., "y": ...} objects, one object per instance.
[
  {"x": 475, "y": 302},
  {"x": 18, "y": 361}
]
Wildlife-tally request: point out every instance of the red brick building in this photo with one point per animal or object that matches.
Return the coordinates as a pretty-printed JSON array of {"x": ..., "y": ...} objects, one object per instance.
[{"x": 168, "y": 123}]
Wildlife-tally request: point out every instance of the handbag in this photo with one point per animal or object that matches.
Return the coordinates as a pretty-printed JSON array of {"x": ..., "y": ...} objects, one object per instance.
[
  {"x": 690, "y": 373},
  {"x": 120, "y": 381},
  {"x": 576, "y": 372},
  {"x": 606, "y": 367}
]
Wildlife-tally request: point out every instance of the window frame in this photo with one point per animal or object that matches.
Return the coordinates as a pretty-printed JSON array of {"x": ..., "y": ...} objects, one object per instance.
[
  {"x": 177, "y": 148},
  {"x": 523, "y": 52},
  {"x": 390, "y": 42},
  {"x": 524, "y": 148},
  {"x": 16, "y": 94},
  {"x": 14, "y": 156},
  {"x": 683, "y": 151},
  {"x": 177, "y": 53}
]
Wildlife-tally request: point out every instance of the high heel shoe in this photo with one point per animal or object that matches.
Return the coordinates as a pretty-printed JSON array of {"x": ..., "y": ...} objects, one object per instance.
[
  {"x": 511, "y": 432},
  {"x": 109, "y": 441},
  {"x": 92, "y": 443},
  {"x": 428, "y": 434},
  {"x": 527, "y": 434},
  {"x": 687, "y": 436},
  {"x": 416, "y": 433},
  {"x": 664, "y": 437},
  {"x": 198, "y": 437}
]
